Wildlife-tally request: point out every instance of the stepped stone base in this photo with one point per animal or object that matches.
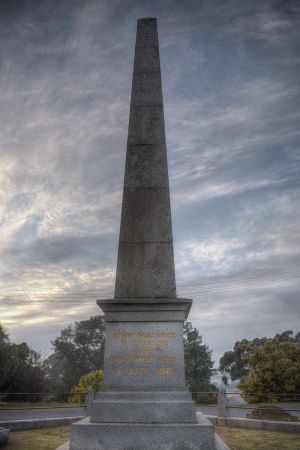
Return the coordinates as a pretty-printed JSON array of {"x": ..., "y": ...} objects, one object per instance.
[
  {"x": 136, "y": 436},
  {"x": 174, "y": 442},
  {"x": 173, "y": 406}
]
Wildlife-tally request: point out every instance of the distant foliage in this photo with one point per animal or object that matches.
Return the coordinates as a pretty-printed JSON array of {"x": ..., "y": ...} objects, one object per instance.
[
  {"x": 274, "y": 369},
  {"x": 265, "y": 367},
  {"x": 93, "y": 380},
  {"x": 78, "y": 350},
  {"x": 198, "y": 365},
  {"x": 20, "y": 369},
  {"x": 236, "y": 362}
]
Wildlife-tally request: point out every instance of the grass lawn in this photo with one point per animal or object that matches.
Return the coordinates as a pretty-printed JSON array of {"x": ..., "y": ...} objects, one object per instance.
[
  {"x": 242, "y": 439},
  {"x": 236, "y": 438},
  {"x": 41, "y": 439},
  {"x": 17, "y": 405}
]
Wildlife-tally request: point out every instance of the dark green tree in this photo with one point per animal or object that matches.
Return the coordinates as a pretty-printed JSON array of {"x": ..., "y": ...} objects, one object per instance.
[
  {"x": 78, "y": 350},
  {"x": 4, "y": 355},
  {"x": 274, "y": 370},
  {"x": 198, "y": 365},
  {"x": 235, "y": 363},
  {"x": 20, "y": 369},
  {"x": 239, "y": 362}
]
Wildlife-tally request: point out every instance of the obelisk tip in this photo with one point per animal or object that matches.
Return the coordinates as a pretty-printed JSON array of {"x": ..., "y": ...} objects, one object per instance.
[{"x": 147, "y": 19}]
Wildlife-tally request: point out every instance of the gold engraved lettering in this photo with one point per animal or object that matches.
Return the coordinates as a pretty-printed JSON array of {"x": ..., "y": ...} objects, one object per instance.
[
  {"x": 123, "y": 335},
  {"x": 165, "y": 359},
  {"x": 144, "y": 343},
  {"x": 138, "y": 371},
  {"x": 166, "y": 371},
  {"x": 143, "y": 335},
  {"x": 141, "y": 360},
  {"x": 143, "y": 351},
  {"x": 118, "y": 372},
  {"x": 116, "y": 360}
]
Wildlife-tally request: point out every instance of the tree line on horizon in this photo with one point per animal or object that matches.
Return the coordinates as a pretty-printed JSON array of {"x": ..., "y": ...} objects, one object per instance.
[{"x": 268, "y": 367}]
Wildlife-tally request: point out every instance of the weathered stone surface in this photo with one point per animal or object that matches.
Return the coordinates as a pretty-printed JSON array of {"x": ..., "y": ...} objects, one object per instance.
[
  {"x": 144, "y": 355},
  {"x": 219, "y": 443},
  {"x": 146, "y": 89},
  {"x": 146, "y": 125},
  {"x": 146, "y": 34},
  {"x": 146, "y": 216},
  {"x": 146, "y": 59},
  {"x": 145, "y": 269},
  {"x": 136, "y": 436},
  {"x": 145, "y": 309},
  {"x": 160, "y": 406},
  {"x": 146, "y": 167}
]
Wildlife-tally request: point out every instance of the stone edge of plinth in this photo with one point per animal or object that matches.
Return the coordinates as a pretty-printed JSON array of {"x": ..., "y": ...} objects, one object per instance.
[
  {"x": 65, "y": 446},
  {"x": 113, "y": 305},
  {"x": 145, "y": 300},
  {"x": 220, "y": 444}
]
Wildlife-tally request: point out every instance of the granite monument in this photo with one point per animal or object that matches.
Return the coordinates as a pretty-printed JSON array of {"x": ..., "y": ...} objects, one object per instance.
[{"x": 144, "y": 403}]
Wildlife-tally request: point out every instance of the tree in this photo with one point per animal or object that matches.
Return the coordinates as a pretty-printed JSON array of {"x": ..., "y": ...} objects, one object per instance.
[
  {"x": 92, "y": 380},
  {"x": 78, "y": 350},
  {"x": 236, "y": 362},
  {"x": 274, "y": 368},
  {"x": 4, "y": 355},
  {"x": 20, "y": 368},
  {"x": 198, "y": 363}
]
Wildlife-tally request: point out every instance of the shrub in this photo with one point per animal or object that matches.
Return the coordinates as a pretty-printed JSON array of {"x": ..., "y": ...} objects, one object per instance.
[{"x": 92, "y": 380}]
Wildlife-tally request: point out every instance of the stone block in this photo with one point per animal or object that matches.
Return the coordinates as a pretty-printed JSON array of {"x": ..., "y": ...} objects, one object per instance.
[
  {"x": 145, "y": 269},
  {"x": 146, "y": 59},
  {"x": 136, "y": 436},
  {"x": 146, "y": 89},
  {"x": 154, "y": 362},
  {"x": 146, "y": 125},
  {"x": 146, "y": 166},
  {"x": 145, "y": 309},
  {"x": 145, "y": 216},
  {"x": 143, "y": 407},
  {"x": 146, "y": 34}
]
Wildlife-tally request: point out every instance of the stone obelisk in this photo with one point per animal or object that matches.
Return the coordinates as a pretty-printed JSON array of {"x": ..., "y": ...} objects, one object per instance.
[{"x": 144, "y": 403}]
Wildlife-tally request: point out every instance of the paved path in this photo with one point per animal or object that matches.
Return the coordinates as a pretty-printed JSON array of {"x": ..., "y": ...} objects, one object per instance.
[
  {"x": 242, "y": 413},
  {"x": 39, "y": 413},
  {"x": 43, "y": 413}
]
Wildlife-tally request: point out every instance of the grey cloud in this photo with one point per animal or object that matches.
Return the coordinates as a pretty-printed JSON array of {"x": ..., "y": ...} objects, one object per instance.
[{"x": 230, "y": 80}]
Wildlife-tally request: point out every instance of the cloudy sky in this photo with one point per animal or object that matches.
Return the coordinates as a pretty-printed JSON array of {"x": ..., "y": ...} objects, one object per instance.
[{"x": 231, "y": 73}]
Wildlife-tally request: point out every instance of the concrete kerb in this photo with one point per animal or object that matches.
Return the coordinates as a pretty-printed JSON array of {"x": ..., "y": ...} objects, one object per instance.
[
  {"x": 4, "y": 432},
  {"x": 29, "y": 424},
  {"x": 255, "y": 424}
]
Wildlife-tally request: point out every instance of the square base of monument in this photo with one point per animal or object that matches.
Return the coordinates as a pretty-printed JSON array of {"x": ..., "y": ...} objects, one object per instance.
[
  {"x": 136, "y": 436},
  {"x": 220, "y": 445}
]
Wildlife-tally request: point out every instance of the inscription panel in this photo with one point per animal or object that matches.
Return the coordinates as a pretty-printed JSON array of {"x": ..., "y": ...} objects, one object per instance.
[{"x": 144, "y": 354}]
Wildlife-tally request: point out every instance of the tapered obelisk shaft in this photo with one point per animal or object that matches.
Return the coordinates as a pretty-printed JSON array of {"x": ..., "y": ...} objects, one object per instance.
[
  {"x": 144, "y": 403},
  {"x": 145, "y": 259}
]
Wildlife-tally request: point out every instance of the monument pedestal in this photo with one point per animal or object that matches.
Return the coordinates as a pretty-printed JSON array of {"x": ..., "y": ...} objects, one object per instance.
[
  {"x": 144, "y": 403},
  {"x": 143, "y": 436}
]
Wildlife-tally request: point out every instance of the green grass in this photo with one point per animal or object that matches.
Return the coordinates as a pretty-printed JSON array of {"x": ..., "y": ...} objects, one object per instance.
[
  {"x": 242, "y": 439},
  {"x": 16, "y": 405},
  {"x": 236, "y": 438},
  {"x": 41, "y": 439}
]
